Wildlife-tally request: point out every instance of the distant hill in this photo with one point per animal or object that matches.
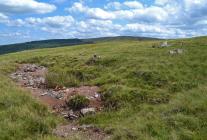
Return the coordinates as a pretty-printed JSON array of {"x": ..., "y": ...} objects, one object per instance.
[
  {"x": 4, "y": 49},
  {"x": 120, "y": 38},
  {"x": 54, "y": 43}
]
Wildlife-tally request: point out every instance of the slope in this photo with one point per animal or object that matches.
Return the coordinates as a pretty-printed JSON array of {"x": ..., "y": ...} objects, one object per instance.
[{"x": 148, "y": 93}]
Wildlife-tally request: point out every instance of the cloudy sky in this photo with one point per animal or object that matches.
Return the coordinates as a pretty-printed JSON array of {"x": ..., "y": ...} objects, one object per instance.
[{"x": 26, "y": 20}]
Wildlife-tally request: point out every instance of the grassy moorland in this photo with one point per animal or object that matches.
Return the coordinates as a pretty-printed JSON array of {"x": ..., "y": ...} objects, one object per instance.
[{"x": 148, "y": 94}]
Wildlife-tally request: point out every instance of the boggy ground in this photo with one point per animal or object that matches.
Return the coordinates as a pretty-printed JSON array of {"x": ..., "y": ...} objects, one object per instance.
[{"x": 32, "y": 77}]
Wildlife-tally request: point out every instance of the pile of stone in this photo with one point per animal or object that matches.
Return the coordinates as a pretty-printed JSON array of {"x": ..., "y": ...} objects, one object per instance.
[
  {"x": 31, "y": 68},
  {"x": 162, "y": 45},
  {"x": 25, "y": 75}
]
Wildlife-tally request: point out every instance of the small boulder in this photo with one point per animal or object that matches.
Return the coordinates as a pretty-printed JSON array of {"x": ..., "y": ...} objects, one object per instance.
[
  {"x": 74, "y": 129},
  {"x": 176, "y": 51},
  {"x": 164, "y": 44},
  {"x": 172, "y": 52},
  {"x": 88, "y": 111},
  {"x": 96, "y": 95},
  {"x": 179, "y": 51},
  {"x": 71, "y": 115},
  {"x": 31, "y": 83},
  {"x": 43, "y": 94}
]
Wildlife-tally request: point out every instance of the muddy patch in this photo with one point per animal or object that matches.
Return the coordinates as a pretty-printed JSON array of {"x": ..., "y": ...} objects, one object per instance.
[{"x": 32, "y": 77}]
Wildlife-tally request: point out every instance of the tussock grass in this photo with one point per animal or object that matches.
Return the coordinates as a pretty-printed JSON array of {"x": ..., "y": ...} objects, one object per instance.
[{"x": 78, "y": 102}]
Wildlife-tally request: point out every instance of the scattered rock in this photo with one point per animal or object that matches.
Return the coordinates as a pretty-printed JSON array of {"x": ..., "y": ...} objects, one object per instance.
[
  {"x": 55, "y": 94},
  {"x": 33, "y": 77},
  {"x": 88, "y": 111},
  {"x": 88, "y": 132}
]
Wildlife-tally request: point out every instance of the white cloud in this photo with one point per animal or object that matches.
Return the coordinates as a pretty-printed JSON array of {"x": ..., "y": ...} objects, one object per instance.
[
  {"x": 127, "y": 4},
  {"x": 25, "y": 6},
  {"x": 163, "y": 19},
  {"x": 133, "y": 4},
  {"x": 161, "y": 2},
  {"x": 53, "y": 22},
  {"x": 91, "y": 12},
  {"x": 146, "y": 14},
  {"x": 201, "y": 22},
  {"x": 100, "y": 13},
  {"x": 11, "y": 34},
  {"x": 190, "y": 4},
  {"x": 113, "y": 5},
  {"x": 3, "y": 18}
]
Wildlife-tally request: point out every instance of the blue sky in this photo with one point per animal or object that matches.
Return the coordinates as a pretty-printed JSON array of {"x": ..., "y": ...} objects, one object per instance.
[{"x": 27, "y": 20}]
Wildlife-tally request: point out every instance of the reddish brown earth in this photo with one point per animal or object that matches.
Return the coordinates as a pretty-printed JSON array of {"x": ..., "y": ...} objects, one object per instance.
[
  {"x": 32, "y": 77},
  {"x": 86, "y": 131}
]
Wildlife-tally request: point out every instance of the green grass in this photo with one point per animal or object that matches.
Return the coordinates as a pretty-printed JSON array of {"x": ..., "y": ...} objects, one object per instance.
[
  {"x": 77, "y": 102},
  {"x": 148, "y": 94},
  {"x": 20, "y": 115}
]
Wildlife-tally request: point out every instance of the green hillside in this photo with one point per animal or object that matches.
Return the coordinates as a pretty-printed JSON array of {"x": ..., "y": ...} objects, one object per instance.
[{"x": 148, "y": 93}]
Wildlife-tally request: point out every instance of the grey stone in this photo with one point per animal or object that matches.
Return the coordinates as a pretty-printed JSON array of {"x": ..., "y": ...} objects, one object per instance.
[
  {"x": 31, "y": 83},
  {"x": 72, "y": 116},
  {"x": 164, "y": 44},
  {"x": 172, "y": 52},
  {"x": 74, "y": 128},
  {"x": 85, "y": 127},
  {"x": 96, "y": 95},
  {"x": 180, "y": 51},
  {"x": 88, "y": 111},
  {"x": 176, "y": 51},
  {"x": 44, "y": 94}
]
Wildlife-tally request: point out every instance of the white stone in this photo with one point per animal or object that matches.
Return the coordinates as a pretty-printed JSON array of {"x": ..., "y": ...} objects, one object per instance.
[{"x": 86, "y": 111}]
